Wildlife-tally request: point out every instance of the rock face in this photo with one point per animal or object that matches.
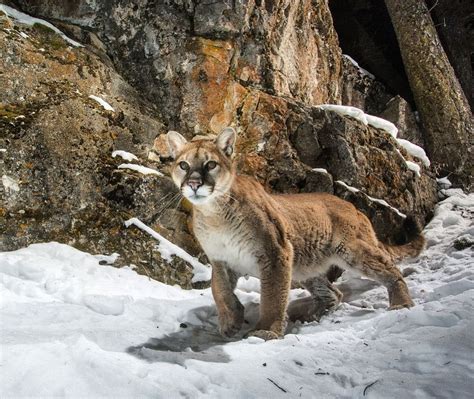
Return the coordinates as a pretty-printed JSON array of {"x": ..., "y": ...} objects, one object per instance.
[
  {"x": 262, "y": 67},
  {"x": 362, "y": 90},
  {"x": 400, "y": 113},
  {"x": 186, "y": 56},
  {"x": 60, "y": 181}
]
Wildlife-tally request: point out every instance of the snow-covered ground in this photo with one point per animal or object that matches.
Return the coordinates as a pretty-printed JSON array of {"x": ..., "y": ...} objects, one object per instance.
[{"x": 73, "y": 328}]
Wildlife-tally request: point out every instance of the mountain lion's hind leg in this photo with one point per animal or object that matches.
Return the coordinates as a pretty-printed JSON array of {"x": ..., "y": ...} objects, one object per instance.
[
  {"x": 374, "y": 263},
  {"x": 325, "y": 298},
  {"x": 229, "y": 309}
]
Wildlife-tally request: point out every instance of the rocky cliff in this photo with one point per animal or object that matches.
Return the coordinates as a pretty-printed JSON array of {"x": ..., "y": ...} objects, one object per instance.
[{"x": 261, "y": 66}]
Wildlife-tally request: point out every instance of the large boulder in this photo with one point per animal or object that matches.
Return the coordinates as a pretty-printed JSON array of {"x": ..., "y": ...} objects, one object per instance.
[{"x": 361, "y": 89}]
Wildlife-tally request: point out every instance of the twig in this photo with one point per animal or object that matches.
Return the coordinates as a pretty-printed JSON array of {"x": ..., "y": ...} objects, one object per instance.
[
  {"x": 368, "y": 386},
  {"x": 434, "y": 5},
  {"x": 146, "y": 271},
  {"x": 278, "y": 386}
]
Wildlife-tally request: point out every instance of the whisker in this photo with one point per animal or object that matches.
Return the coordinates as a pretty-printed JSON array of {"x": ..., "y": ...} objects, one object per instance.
[
  {"x": 175, "y": 223},
  {"x": 164, "y": 200},
  {"x": 226, "y": 194},
  {"x": 167, "y": 205}
]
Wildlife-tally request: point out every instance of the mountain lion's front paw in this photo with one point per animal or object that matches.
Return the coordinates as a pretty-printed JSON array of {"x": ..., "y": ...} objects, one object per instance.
[
  {"x": 263, "y": 334},
  {"x": 230, "y": 323},
  {"x": 399, "y": 296},
  {"x": 405, "y": 305}
]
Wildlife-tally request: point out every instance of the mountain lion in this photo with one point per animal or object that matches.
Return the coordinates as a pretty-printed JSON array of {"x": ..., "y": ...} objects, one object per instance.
[{"x": 278, "y": 238}]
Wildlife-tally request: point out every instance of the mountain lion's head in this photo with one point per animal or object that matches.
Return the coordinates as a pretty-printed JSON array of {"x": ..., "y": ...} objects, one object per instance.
[{"x": 202, "y": 169}]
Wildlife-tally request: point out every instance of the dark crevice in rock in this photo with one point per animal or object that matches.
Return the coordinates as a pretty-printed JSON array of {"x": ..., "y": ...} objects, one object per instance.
[{"x": 366, "y": 34}]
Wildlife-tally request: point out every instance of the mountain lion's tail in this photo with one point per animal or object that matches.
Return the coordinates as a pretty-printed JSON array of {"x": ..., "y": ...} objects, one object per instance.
[{"x": 415, "y": 242}]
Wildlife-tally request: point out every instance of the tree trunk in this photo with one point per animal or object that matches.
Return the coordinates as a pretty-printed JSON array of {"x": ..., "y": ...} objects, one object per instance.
[
  {"x": 454, "y": 23},
  {"x": 444, "y": 111}
]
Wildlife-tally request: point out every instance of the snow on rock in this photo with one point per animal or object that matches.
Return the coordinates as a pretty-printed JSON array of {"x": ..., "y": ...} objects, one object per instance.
[
  {"x": 140, "y": 169},
  {"x": 107, "y": 259},
  {"x": 10, "y": 184},
  {"x": 127, "y": 156},
  {"x": 366, "y": 119},
  {"x": 320, "y": 170},
  {"x": 346, "y": 110},
  {"x": 383, "y": 124},
  {"x": 414, "y": 167},
  {"x": 30, "y": 21},
  {"x": 168, "y": 250},
  {"x": 359, "y": 68},
  {"x": 444, "y": 182},
  {"x": 379, "y": 201},
  {"x": 415, "y": 151},
  {"x": 102, "y": 102},
  {"x": 72, "y": 328},
  {"x": 380, "y": 123}
]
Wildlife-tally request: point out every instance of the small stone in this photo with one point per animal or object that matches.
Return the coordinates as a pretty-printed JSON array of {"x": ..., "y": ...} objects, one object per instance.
[
  {"x": 408, "y": 271},
  {"x": 463, "y": 242}
]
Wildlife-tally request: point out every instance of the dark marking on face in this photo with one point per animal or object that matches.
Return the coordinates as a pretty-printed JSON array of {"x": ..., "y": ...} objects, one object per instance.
[
  {"x": 207, "y": 165},
  {"x": 198, "y": 170}
]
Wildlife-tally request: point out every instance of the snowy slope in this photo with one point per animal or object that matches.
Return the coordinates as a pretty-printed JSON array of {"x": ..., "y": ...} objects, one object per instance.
[{"x": 73, "y": 328}]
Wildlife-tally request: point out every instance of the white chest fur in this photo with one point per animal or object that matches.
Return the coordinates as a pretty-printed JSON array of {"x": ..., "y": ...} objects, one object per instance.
[{"x": 232, "y": 247}]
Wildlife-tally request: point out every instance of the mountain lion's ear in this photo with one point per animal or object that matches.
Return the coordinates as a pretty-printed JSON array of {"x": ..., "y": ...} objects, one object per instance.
[
  {"x": 176, "y": 142},
  {"x": 226, "y": 141}
]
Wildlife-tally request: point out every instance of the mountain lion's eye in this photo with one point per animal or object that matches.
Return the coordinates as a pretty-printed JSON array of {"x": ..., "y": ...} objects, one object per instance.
[
  {"x": 184, "y": 165},
  {"x": 211, "y": 165}
]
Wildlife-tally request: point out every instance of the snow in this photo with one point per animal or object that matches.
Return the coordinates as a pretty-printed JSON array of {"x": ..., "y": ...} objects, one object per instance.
[
  {"x": 320, "y": 170},
  {"x": 30, "y": 21},
  {"x": 140, "y": 169},
  {"x": 72, "y": 328},
  {"x": 261, "y": 146},
  {"x": 444, "y": 182},
  {"x": 102, "y": 102},
  {"x": 10, "y": 184},
  {"x": 167, "y": 250},
  {"x": 127, "y": 156},
  {"x": 346, "y": 110},
  {"x": 414, "y": 151},
  {"x": 414, "y": 167},
  {"x": 379, "y": 201},
  {"x": 383, "y": 124},
  {"x": 361, "y": 116}
]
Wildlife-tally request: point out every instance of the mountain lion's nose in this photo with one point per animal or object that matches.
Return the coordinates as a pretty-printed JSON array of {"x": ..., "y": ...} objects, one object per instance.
[{"x": 195, "y": 184}]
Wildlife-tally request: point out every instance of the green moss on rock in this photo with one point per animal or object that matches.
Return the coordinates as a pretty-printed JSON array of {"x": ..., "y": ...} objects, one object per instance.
[
  {"x": 10, "y": 112},
  {"x": 49, "y": 37}
]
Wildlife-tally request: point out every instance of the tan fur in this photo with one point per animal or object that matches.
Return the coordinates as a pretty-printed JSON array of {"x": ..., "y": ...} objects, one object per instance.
[{"x": 278, "y": 238}]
